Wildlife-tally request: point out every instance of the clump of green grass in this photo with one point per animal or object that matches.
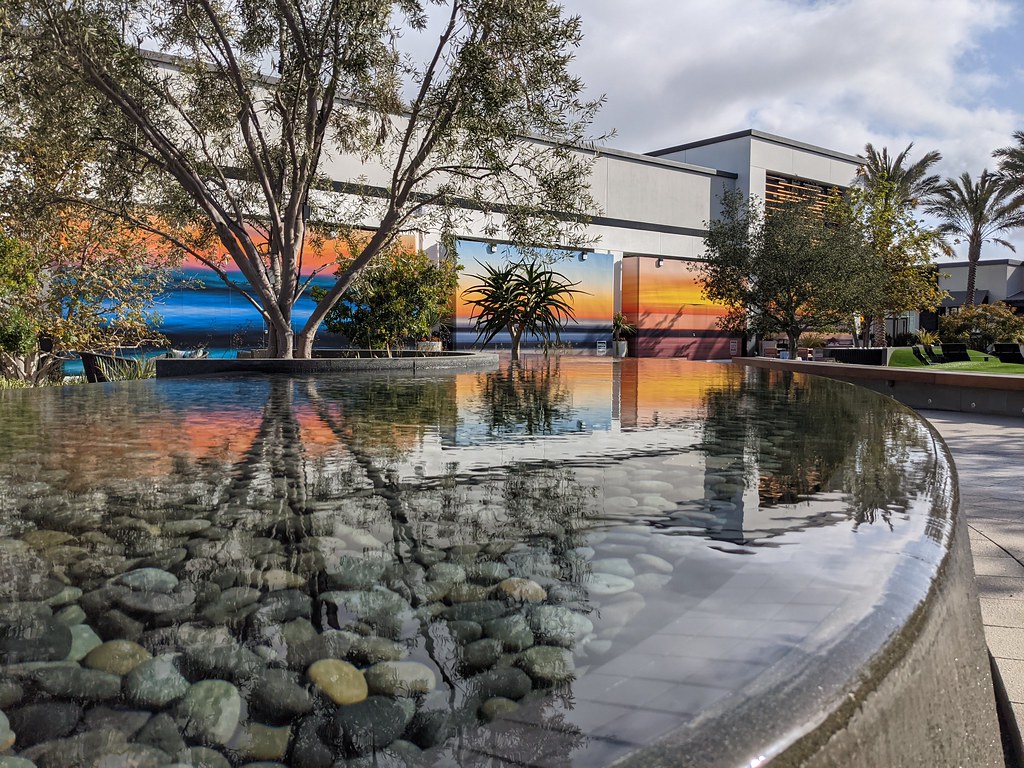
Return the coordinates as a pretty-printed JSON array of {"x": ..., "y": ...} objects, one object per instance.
[
  {"x": 6, "y": 383},
  {"x": 904, "y": 358}
]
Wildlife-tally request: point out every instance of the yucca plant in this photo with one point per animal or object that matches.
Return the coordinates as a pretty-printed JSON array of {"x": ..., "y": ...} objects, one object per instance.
[
  {"x": 127, "y": 369},
  {"x": 523, "y": 297}
]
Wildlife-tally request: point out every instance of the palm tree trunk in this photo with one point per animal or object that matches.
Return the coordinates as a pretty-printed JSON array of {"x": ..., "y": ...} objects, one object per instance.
[
  {"x": 878, "y": 327},
  {"x": 973, "y": 254}
]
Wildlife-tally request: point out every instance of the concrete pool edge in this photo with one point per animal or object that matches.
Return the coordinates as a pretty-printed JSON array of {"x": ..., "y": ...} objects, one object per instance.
[
  {"x": 924, "y": 698},
  {"x": 1001, "y": 394},
  {"x": 458, "y": 361}
]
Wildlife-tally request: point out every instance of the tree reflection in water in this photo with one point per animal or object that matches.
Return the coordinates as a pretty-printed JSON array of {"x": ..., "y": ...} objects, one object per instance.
[{"x": 798, "y": 441}]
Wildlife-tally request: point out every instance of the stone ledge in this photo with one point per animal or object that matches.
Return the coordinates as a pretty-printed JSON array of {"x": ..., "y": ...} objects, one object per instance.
[
  {"x": 450, "y": 361},
  {"x": 993, "y": 393}
]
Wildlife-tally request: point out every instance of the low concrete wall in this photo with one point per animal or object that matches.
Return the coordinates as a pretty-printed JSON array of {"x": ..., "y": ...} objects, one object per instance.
[
  {"x": 918, "y": 388},
  {"x": 170, "y": 367}
]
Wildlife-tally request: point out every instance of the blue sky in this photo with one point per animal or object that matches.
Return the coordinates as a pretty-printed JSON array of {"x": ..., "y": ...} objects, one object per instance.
[{"x": 945, "y": 74}]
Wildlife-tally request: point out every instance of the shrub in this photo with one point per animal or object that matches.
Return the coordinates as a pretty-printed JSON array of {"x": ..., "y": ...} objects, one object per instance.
[
  {"x": 812, "y": 340},
  {"x": 927, "y": 337},
  {"x": 127, "y": 369},
  {"x": 17, "y": 333},
  {"x": 982, "y": 325},
  {"x": 6, "y": 383}
]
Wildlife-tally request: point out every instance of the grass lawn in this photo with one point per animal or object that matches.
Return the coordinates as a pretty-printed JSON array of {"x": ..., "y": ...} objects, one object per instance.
[{"x": 904, "y": 358}]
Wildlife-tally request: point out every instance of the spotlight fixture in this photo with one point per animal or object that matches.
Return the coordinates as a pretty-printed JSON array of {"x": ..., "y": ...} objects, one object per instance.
[
  {"x": 583, "y": 255},
  {"x": 659, "y": 263},
  {"x": 492, "y": 247}
]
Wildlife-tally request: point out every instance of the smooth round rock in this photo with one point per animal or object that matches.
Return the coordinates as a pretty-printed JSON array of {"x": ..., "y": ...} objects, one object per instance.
[
  {"x": 149, "y": 580},
  {"x": 558, "y": 625},
  {"x": 7, "y": 736},
  {"x": 487, "y": 572},
  {"x": 279, "y": 697},
  {"x": 78, "y": 683},
  {"x": 616, "y": 566},
  {"x": 371, "y": 725},
  {"x": 33, "y": 638},
  {"x": 10, "y": 761},
  {"x": 649, "y": 562},
  {"x": 524, "y": 590},
  {"x": 547, "y": 664},
  {"x": 513, "y": 632},
  {"x": 608, "y": 584},
  {"x": 262, "y": 742},
  {"x": 400, "y": 678},
  {"x": 340, "y": 681},
  {"x": 370, "y": 650},
  {"x": 496, "y": 707},
  {"x": 118, "y": 657},
  {"x": 481, "y": 654},
  {"x": 35, "y": 723},
  {"x": 155, "y": 683},
  {"x": 507, "y": 683},
  {"x": 83, "y": 640},
  {"x": 210, "y": 711}
]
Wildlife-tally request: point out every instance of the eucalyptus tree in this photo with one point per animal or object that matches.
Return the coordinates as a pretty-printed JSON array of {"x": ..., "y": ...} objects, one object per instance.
[
  {"x": 260, "y": 117},
  {"x": 891, "y": 187},
  {"x": 791, "y": 270},
  {"x": 976, "y": 211}
]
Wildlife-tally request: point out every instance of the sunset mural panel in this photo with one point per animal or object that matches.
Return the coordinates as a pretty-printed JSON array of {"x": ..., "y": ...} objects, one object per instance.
[
  {"x": 671, "y": 316},
  {"x": 204, "y": 311},
  {"x": 593, "y": 308}
]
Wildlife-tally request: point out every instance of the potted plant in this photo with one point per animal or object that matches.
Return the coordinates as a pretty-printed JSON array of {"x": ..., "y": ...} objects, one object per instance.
[{"x": 621, "y": 327}]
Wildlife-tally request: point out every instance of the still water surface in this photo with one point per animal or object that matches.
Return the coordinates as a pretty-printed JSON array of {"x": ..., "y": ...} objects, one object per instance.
[{"x": 554, "y": 564}]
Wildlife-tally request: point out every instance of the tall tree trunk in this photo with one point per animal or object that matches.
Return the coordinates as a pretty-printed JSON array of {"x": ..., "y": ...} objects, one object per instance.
[
  {"x": 973, "y": 255},
  {"x": 878, "y": 327},
  {"x": 516, "y": 336}
]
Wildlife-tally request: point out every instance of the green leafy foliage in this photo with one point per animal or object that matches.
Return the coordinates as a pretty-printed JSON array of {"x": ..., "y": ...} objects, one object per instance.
[
  {"x": 525, "y": 297},
  {"x": 899, "y": 274},
  {"x": 789, "y": 271},
  {"x": 127, "y": 369},
  {"x": 981, "y": 325},
  {"x": 17, "y": 332},
  {"x": 889, "y": 188},
  {"x": 229, "y": 141},
  {"x": 621, "y": 326},
  {"x": 400, "y": 297}
]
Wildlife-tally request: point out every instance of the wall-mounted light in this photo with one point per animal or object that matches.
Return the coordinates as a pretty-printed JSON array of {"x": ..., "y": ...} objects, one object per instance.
[
  {"x": 659, "y": 263},
  {"x": 583, "y": 255},
  {"x": 492, "y": 247}
]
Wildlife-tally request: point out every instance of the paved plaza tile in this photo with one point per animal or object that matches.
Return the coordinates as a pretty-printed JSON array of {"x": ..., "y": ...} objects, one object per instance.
[{"x": 989, "y": 456}]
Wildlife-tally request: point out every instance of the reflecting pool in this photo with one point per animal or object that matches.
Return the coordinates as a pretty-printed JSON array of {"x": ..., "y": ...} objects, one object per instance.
[{"x": 562, "y": 563}]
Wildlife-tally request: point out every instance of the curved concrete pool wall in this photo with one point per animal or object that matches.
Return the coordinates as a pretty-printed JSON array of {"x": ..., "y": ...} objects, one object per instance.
[
  {"x": 447, "y": 361},
  {"x": 926, "y": 698},
  {"x": 1001, "y": 394}
]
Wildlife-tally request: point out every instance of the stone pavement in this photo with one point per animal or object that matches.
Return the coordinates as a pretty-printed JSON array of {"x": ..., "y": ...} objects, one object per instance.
[{"x": 989, "y": 456}]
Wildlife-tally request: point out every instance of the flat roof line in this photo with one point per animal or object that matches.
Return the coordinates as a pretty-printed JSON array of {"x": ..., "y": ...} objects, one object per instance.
[{"x": 756, "y": 134}]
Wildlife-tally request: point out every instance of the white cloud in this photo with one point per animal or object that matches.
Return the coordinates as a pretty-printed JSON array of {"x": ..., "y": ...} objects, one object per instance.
[{"x": 838, "y": 74}]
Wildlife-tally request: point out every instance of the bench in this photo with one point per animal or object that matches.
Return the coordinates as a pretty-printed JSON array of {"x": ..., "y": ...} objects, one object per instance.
[
  {"x": 919, "y": 354},
  {"x": 1009, "y": 353},
  {"x": 955, "y": 353}
]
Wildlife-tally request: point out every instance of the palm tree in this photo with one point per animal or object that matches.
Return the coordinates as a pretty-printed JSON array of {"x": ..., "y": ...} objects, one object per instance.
[
  {"x": 904, "y": 185},
  {"x": 976, "y": 212},
  {"x": 891, "y": 186},
  {"x": 1011, "y": 165}
]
